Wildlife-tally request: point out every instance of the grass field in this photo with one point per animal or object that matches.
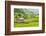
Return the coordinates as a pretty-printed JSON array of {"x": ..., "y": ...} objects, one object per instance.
[{"x": 28, "y": 23}]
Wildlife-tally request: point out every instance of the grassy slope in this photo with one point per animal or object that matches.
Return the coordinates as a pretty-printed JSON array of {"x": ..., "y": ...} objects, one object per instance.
[{"x": 28, "y": 23}]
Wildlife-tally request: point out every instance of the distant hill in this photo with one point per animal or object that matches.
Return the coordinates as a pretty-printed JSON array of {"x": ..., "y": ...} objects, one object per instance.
[
  {"x": 31, "y": 11},
  {"x": 26, "y": 12}
]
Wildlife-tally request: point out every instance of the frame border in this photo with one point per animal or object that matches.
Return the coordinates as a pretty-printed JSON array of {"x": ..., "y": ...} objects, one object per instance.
[{"x": 8, "y": 17}]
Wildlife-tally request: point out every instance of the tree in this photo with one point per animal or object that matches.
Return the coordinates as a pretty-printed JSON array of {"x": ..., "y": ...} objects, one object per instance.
[{"x": 19, "y": 13}]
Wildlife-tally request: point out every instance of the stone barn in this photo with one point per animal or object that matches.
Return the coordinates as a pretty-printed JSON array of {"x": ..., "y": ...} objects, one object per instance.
[{"x": 20, "y": 20}]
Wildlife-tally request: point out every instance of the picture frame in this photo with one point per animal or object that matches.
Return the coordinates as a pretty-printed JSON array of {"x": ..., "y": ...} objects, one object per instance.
[{"x": 9, "y": 22}]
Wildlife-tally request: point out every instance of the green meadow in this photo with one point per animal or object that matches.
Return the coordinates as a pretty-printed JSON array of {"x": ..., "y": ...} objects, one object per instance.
[{"x": 26, "y": 17}]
